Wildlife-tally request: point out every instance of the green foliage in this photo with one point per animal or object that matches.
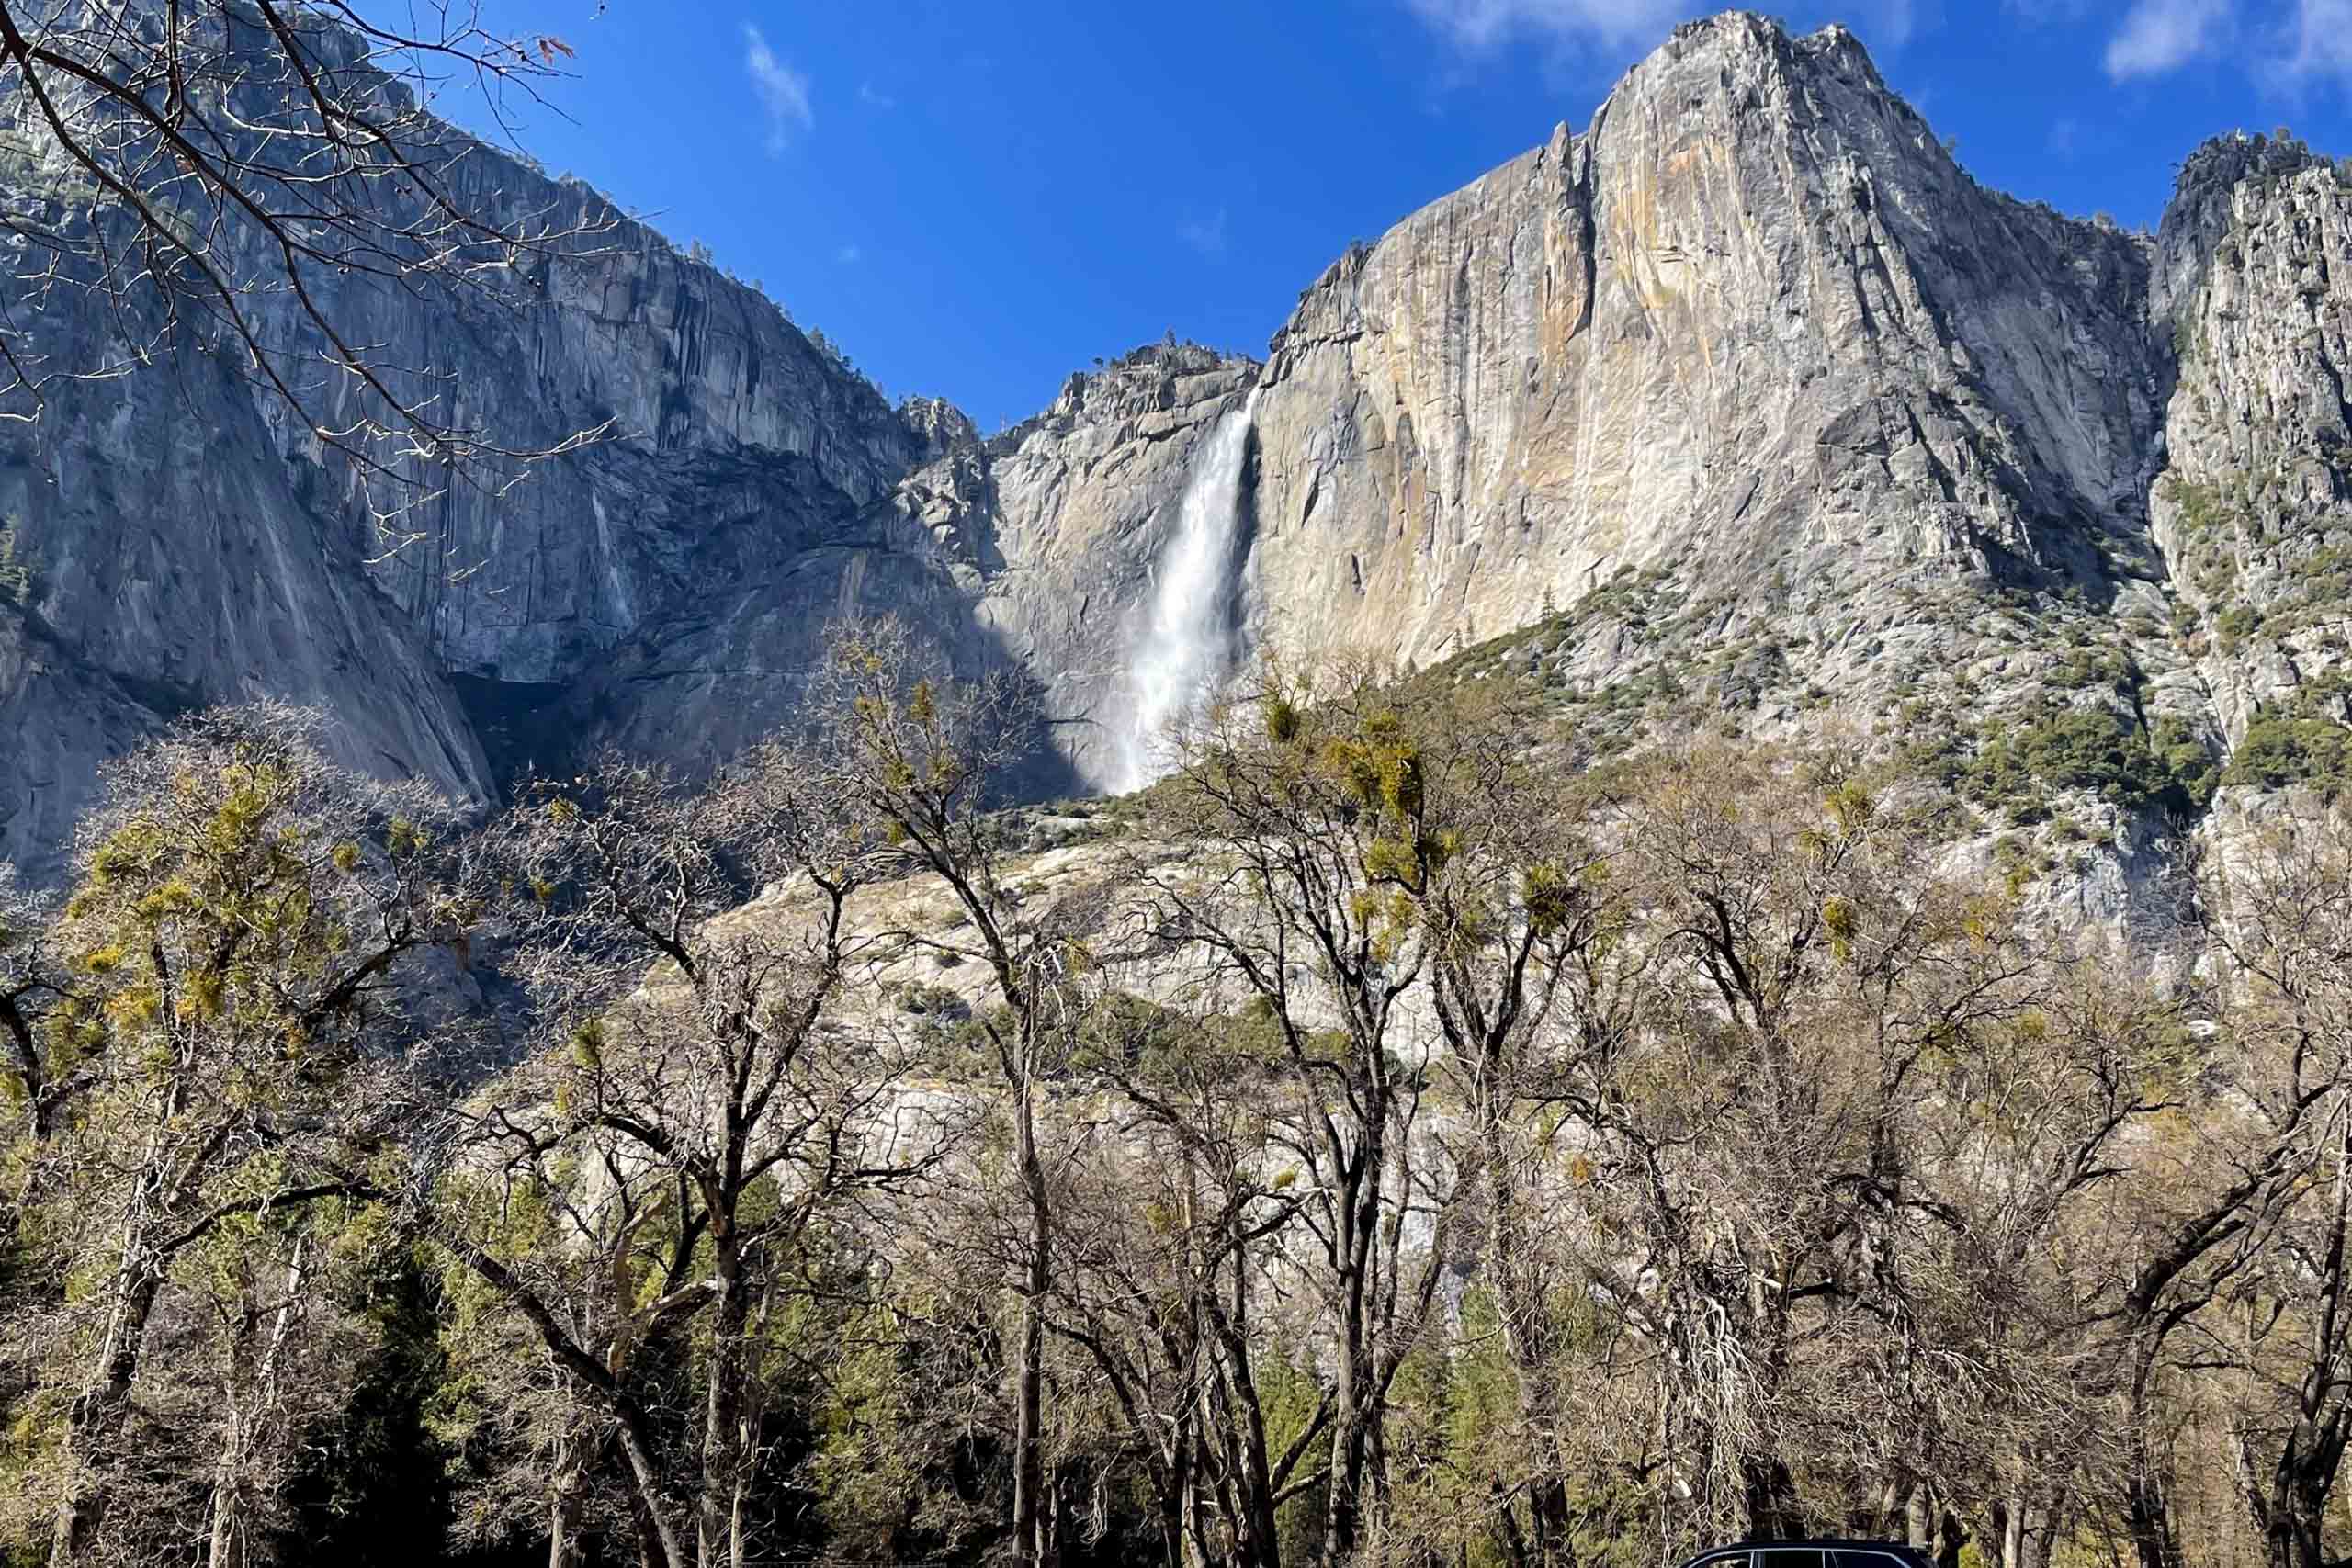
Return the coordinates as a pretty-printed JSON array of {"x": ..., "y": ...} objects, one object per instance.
[
  {"x": 374, "y": 1485},
  {"x": 2205, "y": 507},
  {"x": 2316, "y": 581},
  {"x": 1634, "y": 597},
  {"x": 2086, "y": 750},
  {"x": 868, "y": 1482},
  {"x": 2277, "y": 750},
  {"x": 1127, "y": 1034},
  {"x": 1552, "y": 897},
  {"x": 1289, "y": 1392},
  {"x": 1282, "y": 720},
  {"x": 941, "y": 1003},
  {"x": 2086, "y": 668},
  {"x": 2186, "y": 758}
]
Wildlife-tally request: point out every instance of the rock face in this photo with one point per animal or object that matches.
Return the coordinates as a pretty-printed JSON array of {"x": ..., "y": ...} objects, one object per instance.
[
  {"x": 1084, "y": 499},
  {"x": 1753, "y": 319},
  {"x": 172, "y": 559},
  {"x": 185, "y": 542},
  {"x": 2252, "y": 279},
  {"x": 1745, "y": 408}
]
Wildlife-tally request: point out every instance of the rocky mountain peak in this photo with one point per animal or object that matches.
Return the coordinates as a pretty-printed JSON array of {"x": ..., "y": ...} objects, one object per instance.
[
  {"x": 1156, "y": 378},
  {"x": 2224, "y": 181},
  {"x": 943, "y": 427},
  {"x": 1758, "y": 62},
  {"x": 1764, "y": 37},
  {"x": 1741, "y": 408}
]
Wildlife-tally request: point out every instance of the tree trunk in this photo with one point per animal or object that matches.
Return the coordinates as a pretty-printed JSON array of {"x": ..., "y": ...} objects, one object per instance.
[
  {"x": 658, "y": 1541},
  {"x": 567, "y": 1501},
  {"x": 255, "y": 1412},
  {"x": 1767, "y": 1495},
  {"x": 1050, "y": 1515},
  {"x": 2294, "y": 1524},
  {"x": 93, "y": 1419},
  {"x": 1352, "y": 1399},
  {"x": 1175, "y": 1508},
  {"x": 1950, "y": 1539},
  {"x": 1256, "y": 1544},
  {"x": 718, "y": 1541},
  {"x": 232, "y": 1528},
  {"x": 578, "y": 1449},
  {"x": 1547, "y": 1509},
  {"x": 1343, "y": 1504},
  {"x": 2148, "y": 1518},
  {"x": 1527, "y": 1339},
  {"x": 1030, "y": 1544}
]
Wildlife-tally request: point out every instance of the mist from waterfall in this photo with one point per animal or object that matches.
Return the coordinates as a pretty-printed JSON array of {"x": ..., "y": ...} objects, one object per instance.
[{"x": 1186, "y": 646}]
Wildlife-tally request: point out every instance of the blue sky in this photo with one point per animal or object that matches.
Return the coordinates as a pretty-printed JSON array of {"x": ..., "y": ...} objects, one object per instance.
[{"x": 975, "y": 198}]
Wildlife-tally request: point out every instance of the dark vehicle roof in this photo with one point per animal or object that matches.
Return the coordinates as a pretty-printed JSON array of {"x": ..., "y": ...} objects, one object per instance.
[{"x": 1815, "y": 1542}]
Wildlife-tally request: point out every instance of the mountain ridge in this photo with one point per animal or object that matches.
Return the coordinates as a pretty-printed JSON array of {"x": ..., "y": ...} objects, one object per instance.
[{"x": 1750, "y": 364}]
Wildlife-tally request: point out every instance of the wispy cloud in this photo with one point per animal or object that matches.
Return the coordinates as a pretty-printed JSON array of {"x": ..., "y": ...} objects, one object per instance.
[
  {"x": 2159, "y": 36},
  {"x": 1482, "y": 24},
  {"x": 1205, "y": 236},
  {"x": 849, "y": 255},
  {"x": 873, "y": 97},
  {"x": 1887, "y": 25},
  {"x": 783, "y": 92},
  {"x": 2319, "y": 42},
  {"x": 1481, "y": 27},
  {"x": 2039, "y": 12},
  {"x": 2065, "y": 137}
]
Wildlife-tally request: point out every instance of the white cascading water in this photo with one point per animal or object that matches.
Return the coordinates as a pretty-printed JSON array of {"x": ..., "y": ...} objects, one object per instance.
[{"x": 1189, "y": 638}]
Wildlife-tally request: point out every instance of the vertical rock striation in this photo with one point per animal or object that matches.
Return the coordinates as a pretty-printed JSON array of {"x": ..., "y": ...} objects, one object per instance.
[
  {"x": 2253, "y": 286},
  {"x": 1744, "y": 407},
  {"x": 1753, "y": 319}
]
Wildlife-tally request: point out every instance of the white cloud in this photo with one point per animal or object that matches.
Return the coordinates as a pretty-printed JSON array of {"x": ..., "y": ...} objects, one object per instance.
[
  {"x": 1479, "y": 27},
  {"x": 1481, "y": 24},
  {"x": 849, "y": 255},
  {"x": 875, "y": 97},
  {"x": 1208, "y": 237},
  {"x": 2319, "y": 40},
  {"x": 2159, "y": 36},
  {"x": 783, "y": 92}
]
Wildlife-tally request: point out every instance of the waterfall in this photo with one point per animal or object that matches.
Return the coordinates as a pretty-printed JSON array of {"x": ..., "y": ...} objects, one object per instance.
[{"x": 1185, "y": 648}]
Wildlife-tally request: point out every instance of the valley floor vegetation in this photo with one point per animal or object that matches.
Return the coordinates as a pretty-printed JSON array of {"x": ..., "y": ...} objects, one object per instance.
[{"x": 1380, "y": 1142}]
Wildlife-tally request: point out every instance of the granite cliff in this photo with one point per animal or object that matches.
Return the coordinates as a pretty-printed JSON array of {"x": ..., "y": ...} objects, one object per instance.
[{"x": 1744, "y": 407}]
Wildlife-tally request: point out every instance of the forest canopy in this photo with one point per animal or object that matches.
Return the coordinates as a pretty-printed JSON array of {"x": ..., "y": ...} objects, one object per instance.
[{"x": 1384, "y": 1141}]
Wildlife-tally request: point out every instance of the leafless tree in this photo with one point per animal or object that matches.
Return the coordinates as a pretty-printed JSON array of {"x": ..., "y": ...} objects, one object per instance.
[
  {"x": 33, "y": 979},
  {"x": 699, "y": 1115},
  {"x": 236, "y": 177},
  {"x": 1308, "y": 808},
  {"x": 1172, "y": 1266},
  {"x": 1776, "y": 1156},
  {"x": 2283, "y": 905},
  {"x": 1396, "y": 1138},
  {"x": 922, "y": 757},
  {"x": 1517, "y": 907}
]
